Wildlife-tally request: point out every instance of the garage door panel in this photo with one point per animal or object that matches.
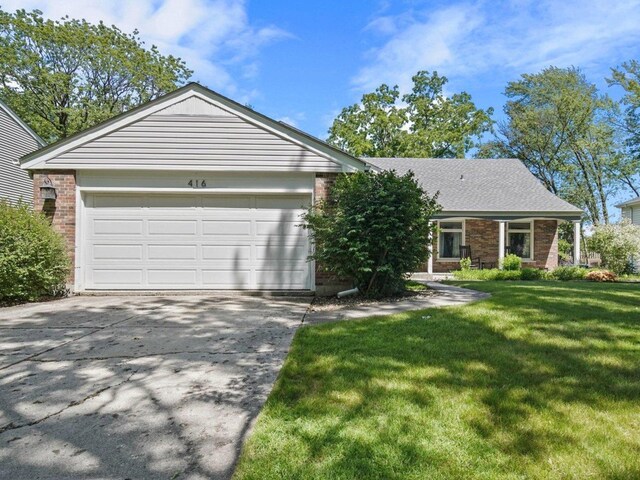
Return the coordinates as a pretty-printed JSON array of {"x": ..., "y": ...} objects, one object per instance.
[
  {"x": 110, "y": 226},
  {"x": 218, "y": 227},
  {"x": 195, "y": 241},
  {"x": 280, "y": 228},
  {"x": 115, "y": 277},
  {"x": 172, "y": 252},
  {"x": 172, "y": 227},
  {"x": 169, "y": 277},
  {"x": 282, "y": 252},
  {"x": 224, "y": 252},
  {"x": 116, "y": 252},
  {"x": 227, "y": 279},
  {"x": 292, "y": 279}
]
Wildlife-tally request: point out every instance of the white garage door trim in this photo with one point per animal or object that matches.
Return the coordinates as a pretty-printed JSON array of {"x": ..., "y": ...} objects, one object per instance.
[{"x": 192, "y": 241}]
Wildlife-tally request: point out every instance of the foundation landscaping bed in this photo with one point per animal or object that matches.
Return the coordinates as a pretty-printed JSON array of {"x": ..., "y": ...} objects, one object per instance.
[{"x": 539, "y": 381}]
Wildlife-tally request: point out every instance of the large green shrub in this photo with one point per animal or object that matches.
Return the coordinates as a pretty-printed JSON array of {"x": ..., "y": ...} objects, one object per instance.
[
  {"x": 33, "y": 258},
  {"x": 617, "y": 244},
  {"x": 374, "y": 229},
  {"x": 568, "y": 273},
  {"x": 511, "y": 262}
]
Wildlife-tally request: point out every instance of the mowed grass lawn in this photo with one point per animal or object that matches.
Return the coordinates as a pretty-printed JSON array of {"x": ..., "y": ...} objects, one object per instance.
[{"x": 540, "y": 381}]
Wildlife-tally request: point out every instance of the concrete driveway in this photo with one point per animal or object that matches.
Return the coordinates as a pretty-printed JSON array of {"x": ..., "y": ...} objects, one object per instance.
[{"x": 136, "y": 387}]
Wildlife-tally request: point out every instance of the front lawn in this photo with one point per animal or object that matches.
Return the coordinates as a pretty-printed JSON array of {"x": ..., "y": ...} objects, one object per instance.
[{"x": 542, "y": 380}]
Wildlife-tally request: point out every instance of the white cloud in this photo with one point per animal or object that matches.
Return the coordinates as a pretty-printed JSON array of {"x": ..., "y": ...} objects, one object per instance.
[
  {"x": 214, "y": 37},
  {"x": 468, "y": 39}
]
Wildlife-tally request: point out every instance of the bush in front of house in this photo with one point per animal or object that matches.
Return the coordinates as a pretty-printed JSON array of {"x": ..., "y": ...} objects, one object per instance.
[
  {"x": 374, "y": 228},
  {"x": 528, "y": 274},
  {"x": 465, "y": 263},
  {"x": 33, "y": 257},
  {"x": 601, "y": 276},
  {"x": 488, "y": 274},
  {"x": 617, "y": 243},
  {"x": 567, "y": 273},
  {"x": 511, "y": 262}
]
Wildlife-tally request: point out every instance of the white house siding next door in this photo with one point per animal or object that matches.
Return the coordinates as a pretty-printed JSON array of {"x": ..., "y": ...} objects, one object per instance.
[{"x": 195, "y": 241}]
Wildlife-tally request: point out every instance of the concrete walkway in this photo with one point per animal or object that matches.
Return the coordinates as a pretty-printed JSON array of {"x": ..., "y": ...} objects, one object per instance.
[{"x": 447, "y": 296}]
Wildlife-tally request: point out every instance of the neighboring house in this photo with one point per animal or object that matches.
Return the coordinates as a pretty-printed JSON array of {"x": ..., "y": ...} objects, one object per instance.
[
  {"x": 195, "y": 191},
  {"x": 492, "y": 206},
  {"x": 16, "y": 140},
  {"x": 631, "y": 210}
]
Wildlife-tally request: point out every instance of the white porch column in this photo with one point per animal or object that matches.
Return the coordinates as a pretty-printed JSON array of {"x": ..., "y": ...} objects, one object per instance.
[
  {"x": 430, "y": 261},
  {"x": 576, "y": 242},
  {"x": 500, "y": 242}
]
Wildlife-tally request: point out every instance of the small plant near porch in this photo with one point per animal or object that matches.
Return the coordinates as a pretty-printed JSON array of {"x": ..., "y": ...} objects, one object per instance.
[{"x": 374, "y": 228}]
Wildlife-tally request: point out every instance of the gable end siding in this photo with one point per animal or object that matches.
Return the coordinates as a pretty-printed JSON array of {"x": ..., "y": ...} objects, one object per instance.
[
  {"x": 15, "y": 142},
  {"x": 215, "y": 140}
]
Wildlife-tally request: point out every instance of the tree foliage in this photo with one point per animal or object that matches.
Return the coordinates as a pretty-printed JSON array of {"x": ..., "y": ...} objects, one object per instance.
[
  {"x": 374, "y": 229},
  {"x": 627, "y": 76},
  {"x": 564, "y": 131},
  {"x": 617, "y": 244},
  {"x": 422, "y": 123},
  {"x": 64, "y": 76}
]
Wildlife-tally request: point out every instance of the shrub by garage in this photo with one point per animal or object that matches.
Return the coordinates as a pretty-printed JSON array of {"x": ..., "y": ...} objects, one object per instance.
[
  {"x": 33, "y": 257},
  {"x": 374, "y": 228}
]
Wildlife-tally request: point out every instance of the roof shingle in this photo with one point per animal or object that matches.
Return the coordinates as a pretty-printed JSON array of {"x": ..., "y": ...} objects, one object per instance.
[{"x": 502, "y": 185}]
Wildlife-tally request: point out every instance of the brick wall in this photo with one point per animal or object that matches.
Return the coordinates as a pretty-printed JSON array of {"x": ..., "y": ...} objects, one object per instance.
[
  {"x": 545, "y": 244},
  {"x": 326, "y": 283},
  {"x": 483, "y": 236},
  {"x": 62, "y": 210}
]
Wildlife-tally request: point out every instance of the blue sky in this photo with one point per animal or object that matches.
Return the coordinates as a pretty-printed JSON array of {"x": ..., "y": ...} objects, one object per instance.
[{"x": 302, "y": 61}]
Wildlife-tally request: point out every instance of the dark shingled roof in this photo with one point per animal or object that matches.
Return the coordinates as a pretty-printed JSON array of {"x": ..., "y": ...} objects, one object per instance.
[{"x": 501, "y": 185}]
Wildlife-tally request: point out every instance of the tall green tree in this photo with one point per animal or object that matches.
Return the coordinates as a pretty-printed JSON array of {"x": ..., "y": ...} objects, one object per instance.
[
  {"x": 422, "y": 123},
  {"x": 561, "y": 127},
  {"x": 64, "y": 76},
  {"x": 627, "y": 76}
]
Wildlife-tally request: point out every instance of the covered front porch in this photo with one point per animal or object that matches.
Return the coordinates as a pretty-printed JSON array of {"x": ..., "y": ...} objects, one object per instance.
[{"x": 487, "y": 239}]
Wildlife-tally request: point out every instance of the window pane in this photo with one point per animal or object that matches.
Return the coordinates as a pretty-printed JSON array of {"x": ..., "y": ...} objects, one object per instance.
[
  {"x": 449, "y": 243},
  {"x": 520, "y": 244},
  {"x": 451, "y": 225},
  {"x": 519, "y": 226}
]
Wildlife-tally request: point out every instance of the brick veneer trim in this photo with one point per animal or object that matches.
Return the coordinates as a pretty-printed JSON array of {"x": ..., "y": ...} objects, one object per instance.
[{"x": 62, "y": 211}]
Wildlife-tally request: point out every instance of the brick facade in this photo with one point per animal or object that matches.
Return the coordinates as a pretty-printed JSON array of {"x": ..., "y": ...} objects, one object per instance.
[
  {"x": 326, "y": 283},
  {"x": 483, "y": 238},
  {"x": 62, "y": 210}
]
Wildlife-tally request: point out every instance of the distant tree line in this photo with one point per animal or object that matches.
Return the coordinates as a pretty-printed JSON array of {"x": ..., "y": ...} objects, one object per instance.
[{"x": 577, "y": 141}]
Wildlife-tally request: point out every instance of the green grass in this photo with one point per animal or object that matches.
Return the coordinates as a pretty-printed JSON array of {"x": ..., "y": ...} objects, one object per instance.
[
  {"x": 414, "y": 286},
  {"x": 540, "y": 381}
]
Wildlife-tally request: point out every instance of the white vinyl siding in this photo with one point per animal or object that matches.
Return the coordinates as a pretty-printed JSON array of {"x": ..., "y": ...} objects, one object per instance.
[
  {"x": 632, "y": 213},
  {"x": 195, "y": 241},
  {"x": 196, "y": 135},
  {"x": 15, "y": 142}
]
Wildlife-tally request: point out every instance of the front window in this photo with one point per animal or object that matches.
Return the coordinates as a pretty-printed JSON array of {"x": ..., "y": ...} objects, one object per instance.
[
  {"x": 450, "y": 239},
  {"x": 519, "y": 237}
]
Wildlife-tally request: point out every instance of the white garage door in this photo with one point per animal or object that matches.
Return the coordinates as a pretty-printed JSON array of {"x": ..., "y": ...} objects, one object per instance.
[{"x": 195, "y": 242}]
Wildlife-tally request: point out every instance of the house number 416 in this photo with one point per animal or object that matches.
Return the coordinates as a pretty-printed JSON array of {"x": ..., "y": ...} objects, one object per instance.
[{"x": 197, "y": 183}]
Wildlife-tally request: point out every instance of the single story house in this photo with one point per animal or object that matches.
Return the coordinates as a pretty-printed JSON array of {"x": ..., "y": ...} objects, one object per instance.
[
  {"x": 631, "y": 210},
  {"x": 16, "y": 140},
  {"x": 490, "y": 207},
  {"x": 195, "y": 191}
]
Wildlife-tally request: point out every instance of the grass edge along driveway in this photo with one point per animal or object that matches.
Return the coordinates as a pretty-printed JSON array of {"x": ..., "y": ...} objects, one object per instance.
[{"x": 541, "y": 380}]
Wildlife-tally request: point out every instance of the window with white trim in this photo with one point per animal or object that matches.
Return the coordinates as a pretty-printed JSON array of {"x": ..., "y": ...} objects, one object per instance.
[
  {"x": 450, "y": 238},
  {"x": 520, "y": 239}
]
